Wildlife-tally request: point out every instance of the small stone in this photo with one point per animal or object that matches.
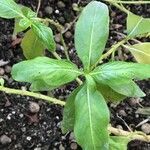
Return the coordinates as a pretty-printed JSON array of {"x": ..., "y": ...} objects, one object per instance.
[
  {"x": 48, "y": 10},
  {"x": 61, "y": 147},
  {"x": 68, "y": 34},
  {"x": 146, "y": 128},
  {"x": 28, "y": 138},
  {"x": 73, "y": 146},
  {"x": 7, "y": 69},
  {"x": 60, "y": 4},
  {"x": 134, "y": 101},
  {"x": 119, "y": 127},
  {"x": 34, "y": 107},
  {"x": 57, "y": 11},
  {"x": 37, "y": 148},
  {"x": 2, "y": 71},
  {"x": 122, "y": 113},
  {"x": 4, "y": 139},
  {"x": 57, "y": 38},
  {"x": 72, "y": 137}
]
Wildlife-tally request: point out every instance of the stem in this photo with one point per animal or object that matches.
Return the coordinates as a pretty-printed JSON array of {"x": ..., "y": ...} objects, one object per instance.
[
  {"x": 112, "y": 50},
  {"x": 65, "y": 47},
  {"x": 120, "y": 7},
  {"x": 115, "y": 131},
  {"x": 56, "y": 55},
  {"x": 129, "y": 2},
  {"x": 38, "y": 8},
  {"x": 32, "y": 94},
  {"x": 133, "y": 135}
]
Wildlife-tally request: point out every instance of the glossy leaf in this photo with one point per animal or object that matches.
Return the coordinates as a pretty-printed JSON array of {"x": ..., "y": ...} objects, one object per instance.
[
  {"x": 109, "y": 94},
  {"x": 45, "y": 34},
  {"x": 141, "y": 52},
  {"x": 119, "y": 75},
  {"x": 9, "y": 9},
  {"x": 69, "y": 112},
  {"x": 91, "y": 118},
  {"x": 119, "y": 142},
  {"x": 91, "y": 33},
  {"x": 44, "y": 72},
  {"x": 137, "y": 25},
  {"x": 32, "y": 47}
]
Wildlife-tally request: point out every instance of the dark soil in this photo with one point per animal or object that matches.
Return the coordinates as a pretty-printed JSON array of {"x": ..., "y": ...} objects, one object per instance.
[{"x": 41, "y": 130}]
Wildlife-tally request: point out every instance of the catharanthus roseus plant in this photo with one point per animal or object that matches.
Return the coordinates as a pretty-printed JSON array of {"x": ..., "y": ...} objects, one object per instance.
[{"x": 86, "y": 111}]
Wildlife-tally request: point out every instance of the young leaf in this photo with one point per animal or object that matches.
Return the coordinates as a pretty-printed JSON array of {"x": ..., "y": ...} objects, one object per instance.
[
  {"x": 119, "y": 75},
  {"x": 45, "y": 34},
  {"x": 9, "y": 9},
  {"x": 32, "y": 47},
  {"x": 91, "y": 33},
  {"x": 109, "y": 94},
  {"x": 141, "y": 52},
  {"x": 17, "y": 27},
  {"x": 91, "y": 118},
  {"x": 45, "y": 71},
  {"x": 137, "y": 25},
  {"x": 69, "y": 112},
  {"x": 118, "y": 142}
]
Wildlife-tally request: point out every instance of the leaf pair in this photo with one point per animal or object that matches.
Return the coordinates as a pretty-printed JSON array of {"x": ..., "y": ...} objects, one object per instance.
[
  {"x": 139, "y": 26},
  {"x": 25, "y": 18}
]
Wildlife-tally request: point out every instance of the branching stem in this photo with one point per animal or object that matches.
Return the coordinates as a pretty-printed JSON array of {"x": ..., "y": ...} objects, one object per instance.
[{"x": 115, "y": 131}]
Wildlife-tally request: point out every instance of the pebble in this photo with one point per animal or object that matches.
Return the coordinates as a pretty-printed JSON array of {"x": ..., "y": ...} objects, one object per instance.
[
  {"x": 34, "y": 107},
  {"x": 73, "y": 146},
  {"x": 122, "y": 113},
  {"x": 7, "y": 69},
  {"x": 48, "y": 10},
  {"x": 2, "y": 72},
  {"x": 57, "y": 38},
  {"x": 60, "y": 4},
  {"x": 61, "y": 147},
  {"x": 146, "y": 128},
  {"x": 37, "y": 148},
  {"x": 68, "y": 34},
  {"x": 28, "y": 138},
  {"x": 4, "y": 139}
]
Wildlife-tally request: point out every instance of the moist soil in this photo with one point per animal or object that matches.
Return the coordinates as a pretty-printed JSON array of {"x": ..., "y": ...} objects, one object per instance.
[{"x": 22, "y": 130}]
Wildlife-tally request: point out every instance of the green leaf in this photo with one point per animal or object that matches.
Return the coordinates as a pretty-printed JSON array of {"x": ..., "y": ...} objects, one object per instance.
[
  {"x": 69, "y": 112},
  {"x": 17, "y": 27},
  {"x": 45, "y": 35},
  {"x": 119, "y": 75},
  {"x": 2, "y": 81},
  {"x": 137, "y": 25},
  {"x": 44, "y": 72},
  {"x": 91, "y": 33},
  {"x": 32, "y": 47},
  {"x": 22, "y": 24},
  {"x": 9, "y": 9},
  {"x": 91, "y": 118},
  {"x": 141, "y": 52},
  {"x": 118, "y": 142},
  {"x": 109, "y": 94}
]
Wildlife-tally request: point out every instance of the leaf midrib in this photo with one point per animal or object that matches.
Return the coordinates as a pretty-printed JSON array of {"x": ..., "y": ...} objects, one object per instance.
[
  {"x": 91, "y": 38},
  {"x": 90, "y": 118}
]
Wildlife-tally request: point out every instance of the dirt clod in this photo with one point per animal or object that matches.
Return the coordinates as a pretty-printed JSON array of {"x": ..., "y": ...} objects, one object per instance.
[{"x": 4, "y": 139}]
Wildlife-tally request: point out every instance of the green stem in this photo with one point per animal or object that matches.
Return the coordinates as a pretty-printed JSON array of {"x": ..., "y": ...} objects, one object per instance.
[
  {"x": 110, "y": 51},
  {"x": 56, "y": 55},
  {"x": 129, "y": 2},
  {"x": 119, "y": 7},
  {"x": 115, "y": 131},
  {"x": 32, "y": 94},
  {"x": 65, "y": 47}
]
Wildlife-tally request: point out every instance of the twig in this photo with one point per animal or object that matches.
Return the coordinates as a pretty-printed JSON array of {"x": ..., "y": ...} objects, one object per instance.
[
  {"x": 133, "y": 135},
  {"x": 65, "y": 47},
  {"x": 129, "y": 2},
  {"x": 115, "y": 131},
  {"x": 32, "y": 94},
  {"x": 38, "y": 8}
]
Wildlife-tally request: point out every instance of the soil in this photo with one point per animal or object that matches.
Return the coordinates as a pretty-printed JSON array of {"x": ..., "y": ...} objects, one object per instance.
[{"x": 41, "y": 130}]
